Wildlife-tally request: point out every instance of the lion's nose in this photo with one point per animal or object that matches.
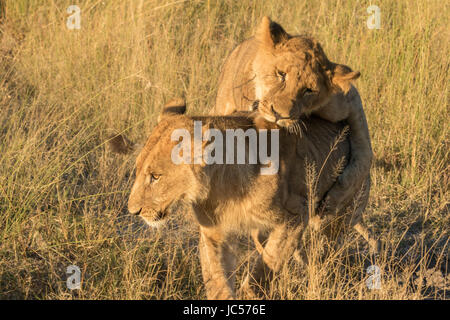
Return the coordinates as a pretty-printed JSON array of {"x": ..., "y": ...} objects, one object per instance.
[
  {"x": 134, "y": 210},
  {"x": 277, "y": 115}
]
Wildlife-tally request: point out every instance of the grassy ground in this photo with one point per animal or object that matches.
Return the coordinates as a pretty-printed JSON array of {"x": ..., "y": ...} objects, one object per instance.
[{"x": 63, "y": 194}]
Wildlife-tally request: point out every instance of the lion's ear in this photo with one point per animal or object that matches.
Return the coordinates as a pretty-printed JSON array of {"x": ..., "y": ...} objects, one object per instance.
[
  {"x": 120, "y": 144},
  {"x": 173, "y": 107},
  {"x": 343, "y": 76},
  {"x": 270, "y": 33}
]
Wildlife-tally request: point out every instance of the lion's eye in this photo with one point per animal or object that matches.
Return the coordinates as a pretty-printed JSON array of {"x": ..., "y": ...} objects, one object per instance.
[
  {"x": 151, "y": 178},
  {"x": 154, "y": 177},
  {"x": 307, "y": 91},
  {"x": 281, "y": 75}
]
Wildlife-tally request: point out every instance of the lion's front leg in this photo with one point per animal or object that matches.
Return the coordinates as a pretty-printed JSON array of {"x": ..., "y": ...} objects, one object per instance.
[
  {"x": 279, "y": 247},
  {"x": 218, "y": 264},
  {"x": 358, "y": 167}
]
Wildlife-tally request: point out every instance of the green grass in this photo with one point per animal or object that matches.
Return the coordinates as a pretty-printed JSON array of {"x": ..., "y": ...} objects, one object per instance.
[{"x": 62, "y": 92}]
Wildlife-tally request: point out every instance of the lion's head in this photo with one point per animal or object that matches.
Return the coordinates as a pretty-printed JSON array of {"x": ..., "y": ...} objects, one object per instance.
[
  {"x": 161, "y": 186},
  {"x": 293, "y": 76}
]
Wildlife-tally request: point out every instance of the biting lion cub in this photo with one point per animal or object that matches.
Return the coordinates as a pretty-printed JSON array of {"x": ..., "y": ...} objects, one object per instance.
[{"x": 285, "y": 77}]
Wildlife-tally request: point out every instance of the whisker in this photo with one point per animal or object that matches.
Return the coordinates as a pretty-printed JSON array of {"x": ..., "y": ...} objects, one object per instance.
[
  {"x": 304, "y": 125},
  {"x": 299, "y": 129}
]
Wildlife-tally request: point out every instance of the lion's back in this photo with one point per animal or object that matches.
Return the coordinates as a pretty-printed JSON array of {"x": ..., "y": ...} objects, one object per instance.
[{"x": 235, "y": 89}]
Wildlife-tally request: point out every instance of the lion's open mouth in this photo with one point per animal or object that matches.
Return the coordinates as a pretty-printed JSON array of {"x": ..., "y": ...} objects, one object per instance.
[
  {"x": 153, "y": 218},
  {"x": 291, "y": 125},
  {"x": 159, "y": 217},
  {"x": 154, "y": 223},
  {"x": 153, "y": 215}
]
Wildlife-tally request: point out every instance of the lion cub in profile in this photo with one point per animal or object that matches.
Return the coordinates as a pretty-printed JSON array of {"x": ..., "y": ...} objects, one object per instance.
[{"x": 290, "y": 77}]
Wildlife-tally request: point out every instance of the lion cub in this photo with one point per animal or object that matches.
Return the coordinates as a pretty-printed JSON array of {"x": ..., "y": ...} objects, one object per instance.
[{"x": 290, "y": 77}]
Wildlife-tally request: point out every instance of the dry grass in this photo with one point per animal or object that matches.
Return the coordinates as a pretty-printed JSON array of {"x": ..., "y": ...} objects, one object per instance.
[{"x": 63, "y": 194}]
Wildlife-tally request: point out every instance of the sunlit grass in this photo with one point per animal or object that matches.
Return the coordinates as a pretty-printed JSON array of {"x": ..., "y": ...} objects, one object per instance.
[{"x": 62, "y": 92}]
